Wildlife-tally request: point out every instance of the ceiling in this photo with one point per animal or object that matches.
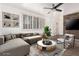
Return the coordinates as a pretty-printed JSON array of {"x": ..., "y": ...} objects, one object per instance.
[
  {"x": 36, "y": 7},
  {"x": 70, "y": 8},
  {"x": 39, "y": 7}
]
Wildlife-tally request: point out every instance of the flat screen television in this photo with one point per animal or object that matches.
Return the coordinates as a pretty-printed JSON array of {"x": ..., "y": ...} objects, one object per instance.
[{"x": 72, "y": 24}]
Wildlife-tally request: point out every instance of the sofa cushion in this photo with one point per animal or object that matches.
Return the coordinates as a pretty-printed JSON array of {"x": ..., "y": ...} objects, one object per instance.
[
  {"x": 34, "y": 34},
  {"x": 18, "y": 35},
  {"x": 26, "y": 35},
  {"x": 32, "y": 39},
  {"x": 7, "y": 37}
]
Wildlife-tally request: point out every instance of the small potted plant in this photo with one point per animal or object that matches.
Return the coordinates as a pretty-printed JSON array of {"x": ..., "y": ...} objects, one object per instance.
[{"x": 46, "y": 35}]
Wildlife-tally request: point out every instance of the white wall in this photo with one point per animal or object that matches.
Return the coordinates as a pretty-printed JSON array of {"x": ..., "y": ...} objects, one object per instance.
[
  {"x": 51, "y": 19},
  {"x": 19, "y": 12},
  {"x": 60, "y": 23},
  {"x": 55, "y": 21}
]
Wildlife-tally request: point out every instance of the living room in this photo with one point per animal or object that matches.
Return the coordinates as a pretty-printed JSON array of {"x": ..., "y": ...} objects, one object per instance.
[
  {"x": 39, "y": 28},
  {"x": 24, "y": 11}
]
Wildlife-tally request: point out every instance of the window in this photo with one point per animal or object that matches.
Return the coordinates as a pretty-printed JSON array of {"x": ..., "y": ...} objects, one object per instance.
[{"x": 32, "y": 22}]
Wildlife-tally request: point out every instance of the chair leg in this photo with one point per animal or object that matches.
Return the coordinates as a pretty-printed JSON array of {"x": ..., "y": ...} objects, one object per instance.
[
  {"x": 74, "y": 43},
  {"x": 64, "y": 44}
]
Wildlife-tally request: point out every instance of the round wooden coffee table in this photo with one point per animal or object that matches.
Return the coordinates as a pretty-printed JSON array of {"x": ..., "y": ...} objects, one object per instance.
[{"x": 42, "y": 46}]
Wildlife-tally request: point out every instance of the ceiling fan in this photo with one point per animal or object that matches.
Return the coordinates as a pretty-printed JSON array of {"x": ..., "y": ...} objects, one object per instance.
[{"x": 55, "y": 7}]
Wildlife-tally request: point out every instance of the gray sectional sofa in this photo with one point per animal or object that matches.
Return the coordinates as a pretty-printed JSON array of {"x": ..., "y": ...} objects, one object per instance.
[{"x": 18, "y": 44}]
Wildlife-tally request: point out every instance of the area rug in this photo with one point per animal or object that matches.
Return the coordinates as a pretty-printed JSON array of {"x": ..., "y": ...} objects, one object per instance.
[{"x": 34, "y": 51}]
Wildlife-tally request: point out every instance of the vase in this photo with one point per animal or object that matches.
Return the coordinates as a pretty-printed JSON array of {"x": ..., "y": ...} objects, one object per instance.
[{"x": 46, "y": 42}]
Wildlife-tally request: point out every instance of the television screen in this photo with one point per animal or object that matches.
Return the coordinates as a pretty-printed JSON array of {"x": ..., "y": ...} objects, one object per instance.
[{"x": 72, "y": 24}]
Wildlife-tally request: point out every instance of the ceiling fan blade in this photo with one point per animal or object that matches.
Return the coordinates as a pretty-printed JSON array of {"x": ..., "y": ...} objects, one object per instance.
[
  {"x": 57, "y": 5},
  {"x": 47, "y": 8},
  {"x": 59, "y": 10}
]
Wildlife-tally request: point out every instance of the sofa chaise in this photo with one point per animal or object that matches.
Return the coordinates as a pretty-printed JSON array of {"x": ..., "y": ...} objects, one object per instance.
[{"x": 15, "y": 47}]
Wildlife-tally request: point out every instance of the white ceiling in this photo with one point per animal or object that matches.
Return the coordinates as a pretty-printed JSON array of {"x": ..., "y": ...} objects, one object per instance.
[
  {"x": 36, "y": 7},
  {"x": 39, "y": 7},
  {"x": 70, "y": 8}
]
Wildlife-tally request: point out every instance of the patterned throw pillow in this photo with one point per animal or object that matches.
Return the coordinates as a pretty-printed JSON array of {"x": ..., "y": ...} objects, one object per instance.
[
  {"x": 13, "y": 36},
  {"x": 67, "y": 37}
]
